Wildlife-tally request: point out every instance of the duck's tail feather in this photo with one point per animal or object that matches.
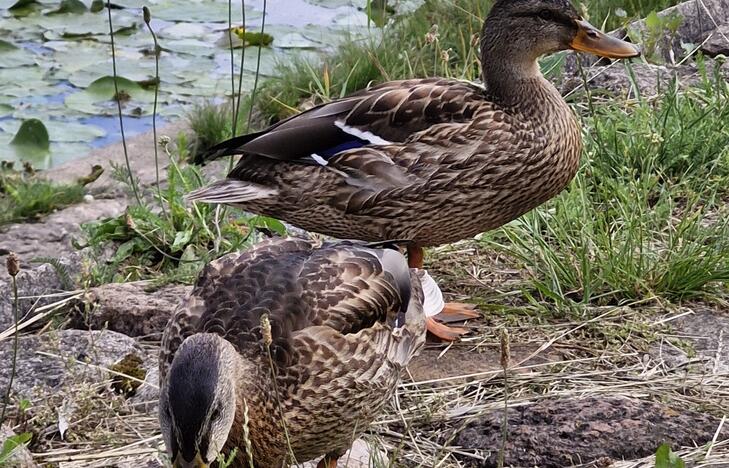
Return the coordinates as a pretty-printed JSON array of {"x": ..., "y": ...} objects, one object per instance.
[
  {"x": 225, "y": 148},
  {"x": 229, "y": 191}
]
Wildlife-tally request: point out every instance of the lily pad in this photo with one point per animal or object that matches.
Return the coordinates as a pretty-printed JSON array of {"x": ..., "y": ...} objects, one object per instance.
[
  {"x": 101, "y": 97},
  {"x": 69, "y": 6},
  {"x": 12, "y": 56},
  {"x": 23, "y": 7},
  {"x": 32, "y": 134},
  {"x": 86, "y": 24},
  {"x": 212, "y": 12},
  {"x": 6, "y": 109},
  {"x": 61, "y": 131}
]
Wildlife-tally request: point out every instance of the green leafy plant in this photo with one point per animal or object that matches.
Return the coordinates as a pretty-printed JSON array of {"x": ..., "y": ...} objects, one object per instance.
[
  {"x": 12, "y": 443},
  {"x": 148, "y": 243},
  {"x": 665, "y": 458},
  {"x": 657, "y": 29}
]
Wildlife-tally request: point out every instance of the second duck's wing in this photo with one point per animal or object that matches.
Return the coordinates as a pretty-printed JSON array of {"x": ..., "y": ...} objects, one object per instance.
[{"x": 345, "y": 288}]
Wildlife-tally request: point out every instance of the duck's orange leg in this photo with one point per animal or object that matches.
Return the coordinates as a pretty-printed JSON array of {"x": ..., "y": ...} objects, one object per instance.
[
  {"x": 327, "y": 462},
  {"x": 330, "y": 459},
  {"x": 452, "y": 312}
]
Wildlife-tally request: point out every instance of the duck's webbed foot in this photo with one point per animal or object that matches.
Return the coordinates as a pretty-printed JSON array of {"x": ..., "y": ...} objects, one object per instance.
[{"x": 452, "y": 312}]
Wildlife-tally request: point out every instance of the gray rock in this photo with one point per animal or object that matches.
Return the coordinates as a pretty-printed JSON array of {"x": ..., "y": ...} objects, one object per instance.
[
  {"x": 128, "y": 308},
  {"x": 718, "y": 43},
  {"x": 700, "y": 19},
  {"x": 49, "y": 360},
  {"x": 593, "y": 431},
  {"x": 53, "y": 235},
  {"x": 21, "y": 456},
  {"x": 707, "y": 330},
  {"x": 35, "y": 286}
]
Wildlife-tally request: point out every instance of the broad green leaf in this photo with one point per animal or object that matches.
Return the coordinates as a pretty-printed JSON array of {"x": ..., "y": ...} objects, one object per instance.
[
  {"x": 253, "y": 38},
  {"x": 69, "y": 6},
  {"x": 665, "y": 458},
  {"x": 100, "y": 97},
  {"x": 269, "y": 223},
  {"x": 11, "y": 443},
  {"x": 61, "y": 131},
  {"x": 23, "y": 7},
  {"x": 32, "y": 134},
  {"x": 181, "y": 240}
]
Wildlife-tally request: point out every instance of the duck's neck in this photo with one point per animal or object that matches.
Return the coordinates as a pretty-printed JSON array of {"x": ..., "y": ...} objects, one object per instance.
[
  {"x": 256, "y": 410},
  {"x": 512, "y": 76},
  {"x": 519, "y": 85}
]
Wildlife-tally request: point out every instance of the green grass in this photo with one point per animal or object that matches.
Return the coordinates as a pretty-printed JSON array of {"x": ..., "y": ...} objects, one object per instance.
[
  {"x": 355, "y": 64},
  {"x": 26, "y": 197},
  {"x": 211, "y": 124}
]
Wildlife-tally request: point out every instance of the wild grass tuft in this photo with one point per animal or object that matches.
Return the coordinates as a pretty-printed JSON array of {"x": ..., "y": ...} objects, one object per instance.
[{"x": 26, "y": 196}]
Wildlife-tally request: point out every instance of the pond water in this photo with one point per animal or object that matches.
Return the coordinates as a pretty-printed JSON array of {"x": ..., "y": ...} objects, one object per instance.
[{"x": 56, "y": 66}]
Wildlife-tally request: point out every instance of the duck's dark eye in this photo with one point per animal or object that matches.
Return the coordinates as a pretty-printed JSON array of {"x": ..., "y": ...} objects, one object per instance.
[{"x": 546, "y": 15}]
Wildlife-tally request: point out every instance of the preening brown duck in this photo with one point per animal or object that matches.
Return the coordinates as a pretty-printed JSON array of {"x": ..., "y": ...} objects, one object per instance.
[
  {"x": 345, "y": 319},
  {"x": 429, "y": 160}
]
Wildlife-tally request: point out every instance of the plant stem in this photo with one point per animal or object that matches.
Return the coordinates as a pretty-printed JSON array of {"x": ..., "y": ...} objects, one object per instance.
[
  {"x": 240, "y": 73},
  {"x": 258, "y": 68},
  {"x": 15, "y": 349},
  {"x": 154, "y": 116},
  {"x": 119, "y": 107}
]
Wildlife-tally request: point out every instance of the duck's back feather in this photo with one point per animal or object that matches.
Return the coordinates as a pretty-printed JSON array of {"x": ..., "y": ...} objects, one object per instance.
[
  {"x": 390, "y": 112},
  {"x": 346, "y": 288}
]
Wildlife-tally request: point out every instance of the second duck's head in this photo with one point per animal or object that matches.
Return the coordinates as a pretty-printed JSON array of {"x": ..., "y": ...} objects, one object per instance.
[
  {"x": 198, "y": 402},
  {"x": 518, "y": 32}
]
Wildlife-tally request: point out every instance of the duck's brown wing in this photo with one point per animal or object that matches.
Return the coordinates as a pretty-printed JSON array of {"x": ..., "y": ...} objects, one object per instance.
[
  {"x": 346, "y": 288},
  {"x": 390, "y": 112}
]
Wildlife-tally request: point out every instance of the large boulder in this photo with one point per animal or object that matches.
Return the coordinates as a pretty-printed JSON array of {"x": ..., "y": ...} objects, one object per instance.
[
  {"x": 128, "y": 308},
  {"x": 48, "y": 361},
  {"x": 566, "y": 432}
]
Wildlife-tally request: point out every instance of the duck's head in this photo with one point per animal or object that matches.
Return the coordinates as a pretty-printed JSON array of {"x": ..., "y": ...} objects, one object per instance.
[
  {"x": 518, "y": 32},
  {"x": 198, "y": 400}
]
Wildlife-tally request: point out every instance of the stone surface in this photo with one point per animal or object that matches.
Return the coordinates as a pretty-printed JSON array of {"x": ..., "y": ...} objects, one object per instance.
[
  {"x": 35, "y": 286},
  {"x": 706, "y": 328},
  {"x": 557, "y": 433},
  {"x": 718, "y": 42},
  {"x": 700, "y": 19},
  {"x": 52, "y": 236},
  {"x": 128, "y": 308},
  {"x": 33, "y": 369}
]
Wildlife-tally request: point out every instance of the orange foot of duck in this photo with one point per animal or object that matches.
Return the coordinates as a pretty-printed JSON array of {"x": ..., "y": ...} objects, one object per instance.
[{"x": 452, "y": 312}]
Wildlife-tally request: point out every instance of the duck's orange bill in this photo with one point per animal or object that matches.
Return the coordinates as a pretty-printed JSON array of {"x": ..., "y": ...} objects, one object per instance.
[{"x": 590, "y": 39}]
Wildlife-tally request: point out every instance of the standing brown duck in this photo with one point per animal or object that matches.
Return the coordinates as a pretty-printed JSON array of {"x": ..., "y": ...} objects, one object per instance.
[{"x": 429, "y": 160}]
